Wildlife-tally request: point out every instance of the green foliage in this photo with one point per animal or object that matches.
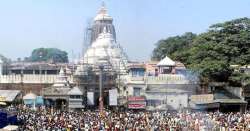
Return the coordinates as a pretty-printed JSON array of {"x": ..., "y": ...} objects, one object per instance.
[
  {"x": 49, "y": 54},
  {"x": 239, "y": 79},
  {"x": 212, "y": 52},
  {"x": 172, "y": 45}
]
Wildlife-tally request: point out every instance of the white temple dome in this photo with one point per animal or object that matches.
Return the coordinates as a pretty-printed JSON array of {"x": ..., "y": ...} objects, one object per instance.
[
  {"x": 105, "y": 51},
  {"x": 102, "y": 48}
]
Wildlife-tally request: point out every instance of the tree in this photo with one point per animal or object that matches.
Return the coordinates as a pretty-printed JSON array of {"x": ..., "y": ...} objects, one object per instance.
[
  {"x": 172, "y": 45},
  {"x": 211, "y": 53},
  {"x": 49, "y": 54},
  {"x": 4, "y": 59}
]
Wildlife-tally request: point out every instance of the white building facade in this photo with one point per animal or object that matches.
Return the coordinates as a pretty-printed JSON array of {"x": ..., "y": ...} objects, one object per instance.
[{"x": 163, "y": 91}]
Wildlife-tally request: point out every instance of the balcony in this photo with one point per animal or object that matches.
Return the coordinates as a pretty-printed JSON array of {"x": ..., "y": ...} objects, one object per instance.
[{"x": 166, "y": 79}]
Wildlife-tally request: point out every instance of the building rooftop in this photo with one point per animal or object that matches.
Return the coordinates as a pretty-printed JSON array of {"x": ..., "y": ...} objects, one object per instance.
[
  {"x": 136, "y": 65},
  {"x": 36, "y": 66},
  {"x": 166, "y": 62},
  {"x": 75, "y": 91}
]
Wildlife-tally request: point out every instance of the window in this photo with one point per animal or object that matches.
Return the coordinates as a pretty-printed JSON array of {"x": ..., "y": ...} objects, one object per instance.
[
  {"x": 137, "y": 91},
  {"x": 141, "y": 73},
  {"x": 138, "y": 73},
  {"x": 134, "y": 73},
  {"x": 75, "y": 97}
]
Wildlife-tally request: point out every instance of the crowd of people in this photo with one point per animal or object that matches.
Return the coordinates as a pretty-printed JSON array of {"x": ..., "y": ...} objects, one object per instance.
[{"x": 49, "y": 120}]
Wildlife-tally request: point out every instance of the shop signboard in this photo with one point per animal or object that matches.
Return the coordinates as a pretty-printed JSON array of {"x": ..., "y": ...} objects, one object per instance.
[
  {"x": 137, "y": 105},
  {"x": 204, "y": 98},
  {"x": 136, "y": 102}
]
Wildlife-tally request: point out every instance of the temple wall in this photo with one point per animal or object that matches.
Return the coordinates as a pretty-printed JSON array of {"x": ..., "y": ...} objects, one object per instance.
[
  {"x": 25, "y": 88},
  {"x": 46, "y": 79}
]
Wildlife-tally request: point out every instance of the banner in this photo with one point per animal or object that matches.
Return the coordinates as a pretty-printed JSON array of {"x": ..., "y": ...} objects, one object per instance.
[
  {"x": 136, "y": 102},
  {"x": 136, "y": 98},
  {"x": 113, "y": 95},
  {"x": 90, "y": 97},
  {"x": 204, "y": 98},
  {"x": 137, "y": 105}
]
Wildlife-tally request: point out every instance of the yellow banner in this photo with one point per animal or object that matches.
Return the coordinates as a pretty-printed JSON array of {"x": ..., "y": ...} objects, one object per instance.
[{"x": 202, "y": 98}]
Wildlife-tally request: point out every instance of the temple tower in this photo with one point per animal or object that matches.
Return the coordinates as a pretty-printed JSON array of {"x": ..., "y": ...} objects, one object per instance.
[{"x": 102, "y": 19}]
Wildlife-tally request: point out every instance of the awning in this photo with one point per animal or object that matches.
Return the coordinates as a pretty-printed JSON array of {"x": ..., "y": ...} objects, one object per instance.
[
  {"x": 216, "y": 103},
  {"x": 206, "y": 106},
  {"x": 230, "y": 101},
  {"x": 3, "y": 103},
  {"x": 11, "y": 128},
  {"x": 9, "y": 95}
]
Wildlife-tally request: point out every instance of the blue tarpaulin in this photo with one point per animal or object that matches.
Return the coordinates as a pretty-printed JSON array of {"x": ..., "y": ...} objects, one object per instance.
[{"x": 38, "y": 101}]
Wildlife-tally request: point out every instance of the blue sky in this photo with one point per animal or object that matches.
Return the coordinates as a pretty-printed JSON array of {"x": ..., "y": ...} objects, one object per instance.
[{"x": 29, "y": 24}]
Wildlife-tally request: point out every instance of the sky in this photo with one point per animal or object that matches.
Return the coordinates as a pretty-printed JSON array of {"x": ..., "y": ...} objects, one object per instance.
[{"x": 29, "y": 24}]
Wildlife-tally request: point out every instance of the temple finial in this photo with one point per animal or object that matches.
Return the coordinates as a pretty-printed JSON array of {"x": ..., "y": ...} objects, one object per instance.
[
  {"x": 103, "y": 9},
  {"x": 103, "y": 4}
]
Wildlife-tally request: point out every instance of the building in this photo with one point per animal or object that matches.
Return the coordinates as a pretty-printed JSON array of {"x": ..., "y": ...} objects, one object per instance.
[
  {"x": 165, "y": 90},
  {"x": 32, "y": 76},
  {"x": 104, "y": 58},
  {"x": 61, "y": 95},
  {"x": 151, "y": 67}
]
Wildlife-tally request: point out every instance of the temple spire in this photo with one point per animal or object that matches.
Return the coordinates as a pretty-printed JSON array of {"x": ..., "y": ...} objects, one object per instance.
[
  {"x": 103, "y": 9},
  {"x": 101, "y": 20},
  {"x": 103, "y": 4}
]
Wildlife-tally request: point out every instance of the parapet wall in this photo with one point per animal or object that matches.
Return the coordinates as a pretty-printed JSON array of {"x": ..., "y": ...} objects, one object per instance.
[
  {"x": 25, "y": 88},
  {"x": 31, "y": 79}
]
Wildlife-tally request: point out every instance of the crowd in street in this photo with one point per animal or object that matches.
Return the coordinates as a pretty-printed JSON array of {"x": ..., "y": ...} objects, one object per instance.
[{"x": 49, "y": 120}]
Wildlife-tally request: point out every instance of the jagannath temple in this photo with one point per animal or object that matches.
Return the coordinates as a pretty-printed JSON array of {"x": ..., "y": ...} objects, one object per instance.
[{"x": 104, "y": 77}]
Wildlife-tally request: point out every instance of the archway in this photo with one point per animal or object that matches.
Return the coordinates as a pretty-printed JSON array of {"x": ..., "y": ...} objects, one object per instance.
[
  {"x": 61, "y": 104},
  {"x": 49, "y": 102}
]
